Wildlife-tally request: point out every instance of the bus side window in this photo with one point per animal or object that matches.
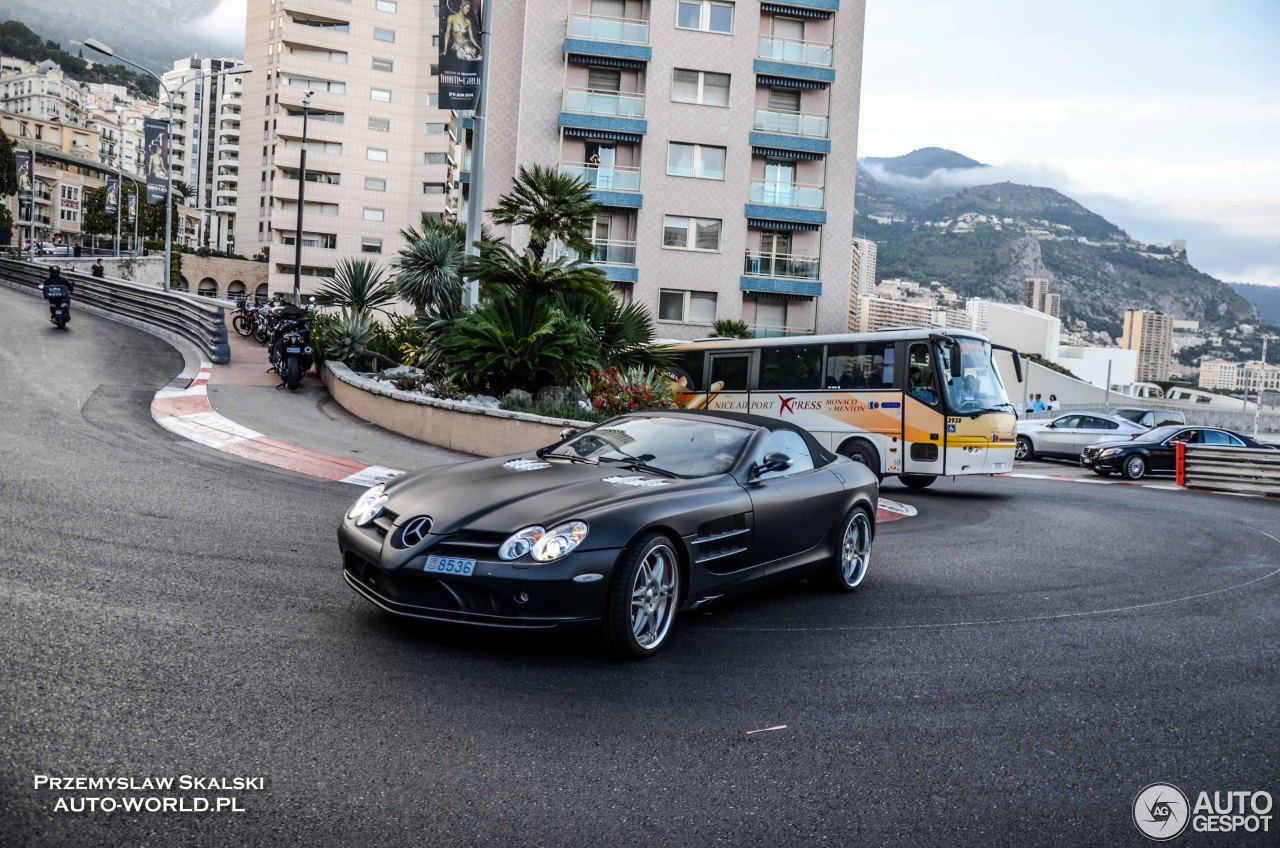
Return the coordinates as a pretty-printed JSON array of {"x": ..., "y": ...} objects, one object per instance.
[
  {"x": 864, "y": 365},
  {"x": 688, "y": 365},
  {"x": 790, "y": 368}
]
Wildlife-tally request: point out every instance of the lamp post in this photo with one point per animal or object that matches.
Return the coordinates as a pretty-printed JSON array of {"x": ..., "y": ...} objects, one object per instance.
[
  {"x": 170, "y": 96},
  {"x": 302, "y": 185},
  {"x": 31, "y": 210}
]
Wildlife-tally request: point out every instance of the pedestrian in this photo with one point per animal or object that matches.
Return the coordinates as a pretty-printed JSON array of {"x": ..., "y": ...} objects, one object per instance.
[
  {"x": 1053, "y": 404},
  {"x": 1038, "y": 406},
  {"x": 76, "y": 250},
  {"x": 98, "y": 270}
]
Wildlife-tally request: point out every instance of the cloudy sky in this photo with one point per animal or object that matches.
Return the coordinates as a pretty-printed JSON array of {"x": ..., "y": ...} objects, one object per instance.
[{"x": 1162, "y": 115}]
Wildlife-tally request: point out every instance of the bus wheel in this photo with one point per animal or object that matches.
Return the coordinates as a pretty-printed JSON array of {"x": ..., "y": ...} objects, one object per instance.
[
  {"x": 917, "y": 481},
  {"x": 863, "y": 453}
]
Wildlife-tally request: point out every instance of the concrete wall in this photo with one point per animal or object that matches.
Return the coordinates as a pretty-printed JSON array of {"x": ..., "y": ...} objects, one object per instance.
[
  {"x": 148, "y": 270},
  {"x": 1022, "y": 329},
  {"x": 223, "y": 272},
  {"x": 450, "y": 424},
  {"x": 1090, "y": 363}
]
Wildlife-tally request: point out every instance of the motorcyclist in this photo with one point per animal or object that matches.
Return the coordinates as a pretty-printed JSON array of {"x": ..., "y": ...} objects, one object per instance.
[{"x": 55, "y": 278}]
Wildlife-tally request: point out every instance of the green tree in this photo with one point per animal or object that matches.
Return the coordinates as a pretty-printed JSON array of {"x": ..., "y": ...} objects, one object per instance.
[
  {"x": 730, "y": 329},
  {"x": 8, "y": 167},
  {"x": 429, "y": 272},
  {"x": 500, "y": 267},
  {"x": 552, "y": 205}
]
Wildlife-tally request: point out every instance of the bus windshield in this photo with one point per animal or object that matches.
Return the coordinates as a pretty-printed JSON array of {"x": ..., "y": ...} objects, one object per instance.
[{"x": 980, "y": 388}]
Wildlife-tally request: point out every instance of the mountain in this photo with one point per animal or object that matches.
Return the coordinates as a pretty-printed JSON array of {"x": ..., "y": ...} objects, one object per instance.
[
  {"x": 1266, "y": 298},
  {"x": 17, "y": 40},
  {"x": 982, "y": 240}
]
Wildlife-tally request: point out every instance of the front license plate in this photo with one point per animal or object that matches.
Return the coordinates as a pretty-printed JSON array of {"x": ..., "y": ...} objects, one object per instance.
[
  {"x": 293, "y": 350},
  {"x": 450, "y": 565}
]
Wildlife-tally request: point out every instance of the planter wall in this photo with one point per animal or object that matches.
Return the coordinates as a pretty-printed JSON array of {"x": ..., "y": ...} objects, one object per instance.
[{"x": 447, "y": 423}]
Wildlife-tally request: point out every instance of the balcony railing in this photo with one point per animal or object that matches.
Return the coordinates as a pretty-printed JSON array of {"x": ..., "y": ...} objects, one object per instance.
[
  {"x": 767, "y": 331},
  {"x": 781, "y": 265},
  {"x": 604, "y": 177},
  {"x": 803, "y": 52},
  {"x": 603, "y": 103},
  {"x": 791, "y": 123},
  {"x": 605, "y": 252},
  {"x": 609, "y": 29},
  {"x": 787, "y": 194}
]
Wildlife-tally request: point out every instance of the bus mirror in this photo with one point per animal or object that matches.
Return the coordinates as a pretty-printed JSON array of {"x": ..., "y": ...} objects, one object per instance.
[{"x": 957, "y": 361}]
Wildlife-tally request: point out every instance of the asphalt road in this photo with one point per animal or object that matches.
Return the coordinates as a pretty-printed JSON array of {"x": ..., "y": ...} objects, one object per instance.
[{"x": 1023, "y": 658}]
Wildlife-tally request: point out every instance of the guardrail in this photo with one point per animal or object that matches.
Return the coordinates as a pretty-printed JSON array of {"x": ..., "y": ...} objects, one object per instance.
[
  {"x": 1229, "y": 469},
  {"x": 193, "y": 319}
]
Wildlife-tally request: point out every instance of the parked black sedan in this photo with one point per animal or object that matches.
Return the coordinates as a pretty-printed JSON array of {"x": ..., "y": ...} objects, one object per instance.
[
  {"x": 1155, "y": 452},
  {"x": 621, "y": 526}
]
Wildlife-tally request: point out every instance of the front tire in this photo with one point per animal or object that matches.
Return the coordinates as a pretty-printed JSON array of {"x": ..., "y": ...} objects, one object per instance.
[
  {"x": 1024, "y": 451},
  {"x": 1134, "y": 467},
  {"x": 260, "y": 333},
  {"x": 644, "y": 598},
  {"x": 917, "y": 481},
  {"x": 848, "y": 567},
  {"x": 241, "y": 324},
  {"x": 292, "y": 373}
]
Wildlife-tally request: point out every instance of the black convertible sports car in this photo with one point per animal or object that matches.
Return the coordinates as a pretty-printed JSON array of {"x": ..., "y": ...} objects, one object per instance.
[{"x": 622, "y": 525}]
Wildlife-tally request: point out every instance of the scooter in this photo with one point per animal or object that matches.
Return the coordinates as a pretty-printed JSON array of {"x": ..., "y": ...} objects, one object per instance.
[{"x": 59, "y": 298}]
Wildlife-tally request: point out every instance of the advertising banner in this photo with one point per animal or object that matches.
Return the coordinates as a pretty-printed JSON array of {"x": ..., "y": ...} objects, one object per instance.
[
  {"x": 111, "y": 202},
  {"x": 460, "y": 57},
  {"x": 26, "y": 172},
  {"x": 133, "y": 207},
  {"x": 156, "y": 135}
]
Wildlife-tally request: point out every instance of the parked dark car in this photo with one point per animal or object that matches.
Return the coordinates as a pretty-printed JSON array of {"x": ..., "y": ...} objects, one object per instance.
[
  {"x": 1155, "y": 452},
  {"x": 1151, "y": 417},
  {"x": 618, "y": 527}
]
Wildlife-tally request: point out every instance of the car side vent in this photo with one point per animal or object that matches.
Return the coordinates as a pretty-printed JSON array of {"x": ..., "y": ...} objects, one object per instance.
[{"x": 415, "y": 530}]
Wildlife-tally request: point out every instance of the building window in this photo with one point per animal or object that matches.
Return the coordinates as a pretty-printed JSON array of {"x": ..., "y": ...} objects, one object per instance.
[
  {"x": 335, "y": 56},
  {"x": 437, "y": 129},
  {"x": 377, "y": 154},
  {"x": 433, "y": 99},
  {"x": 701, "y": 87},
  {"x": 380, "y": 124},
  {"x": 705, "y": 15},
  {"x": 689, "y": 307},
  {"x": 324, "y": 177},
  {"x": 434, "y": 70},
  {"x": 375, "y": 184},
  {"x": 384, "y": 35},
  {"x": 386, "y": 6},
  {"x": 383, "y": 65},
  {"x": 321, "y": 23},
  {"x": 381, "y": 95},
  {"x": 324, "y": 241},
  {"x": 435, "y": 158},
  {"x": 433, "y": 188},
  {"x": 682, "y": 233},
  {"x": 370, "y": 245},
  {"x": 695, "y": 160},
  {"x": 373, "y": 214},
  {"x": 331, "y": 86}
]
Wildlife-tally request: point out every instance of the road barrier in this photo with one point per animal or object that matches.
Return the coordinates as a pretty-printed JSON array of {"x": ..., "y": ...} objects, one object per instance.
[
  {"x": 1229, "y": 469},
  {"x": 195, "y": 320}
]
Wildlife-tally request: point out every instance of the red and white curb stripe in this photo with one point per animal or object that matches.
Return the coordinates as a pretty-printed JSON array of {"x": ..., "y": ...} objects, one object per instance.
[
  {"x": 893, "y": 511},
  {"x": 188, "y": 413}
]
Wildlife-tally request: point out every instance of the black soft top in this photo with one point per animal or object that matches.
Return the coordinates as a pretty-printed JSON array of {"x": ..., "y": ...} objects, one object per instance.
[{"x": 821, "y": 456}]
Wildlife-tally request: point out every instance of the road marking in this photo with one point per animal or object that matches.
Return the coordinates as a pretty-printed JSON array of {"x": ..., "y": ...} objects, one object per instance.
[{"x": 893, "y": 511}]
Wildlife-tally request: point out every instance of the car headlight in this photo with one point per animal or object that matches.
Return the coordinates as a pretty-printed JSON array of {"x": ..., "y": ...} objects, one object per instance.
[
  {"x": 1108, "y": 453},
  {"x": 368, "y": 505},
  {"x": 544, "y": 545}
]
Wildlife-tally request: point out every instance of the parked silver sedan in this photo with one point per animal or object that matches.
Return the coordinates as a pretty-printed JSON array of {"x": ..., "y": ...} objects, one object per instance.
[{"x": 1067, "y": 435}]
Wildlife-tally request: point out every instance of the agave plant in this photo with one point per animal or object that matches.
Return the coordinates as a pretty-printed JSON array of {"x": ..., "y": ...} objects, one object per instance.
[
  {"x": 359, "y": 285},
  {"x": 552, "y": 205},
  {"x": 429, "y": 273},
  {"x": 349, "y": 334}
]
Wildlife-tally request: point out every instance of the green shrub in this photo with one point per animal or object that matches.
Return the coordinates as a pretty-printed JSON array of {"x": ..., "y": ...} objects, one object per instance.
[
  {"x": 553, "y": 409},
  {"x": 613, "y": 392}
]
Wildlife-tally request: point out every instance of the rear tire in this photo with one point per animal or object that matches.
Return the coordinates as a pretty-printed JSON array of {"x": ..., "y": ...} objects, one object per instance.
[
  {"x": 240, "y": 323},
  {"x": 260, "y": 333},
  {"x": 644, "y": 597},
  {"x": 848, "y": 566},
  {"x": 865, "y": 454},
  {"x": 1024, "y": 451},
  {"x": 292, "y": 373},
  {"x": 1133, "y": 467},
  {"x": 60, "y": 320},
  {"x": 917, "y": 481}
]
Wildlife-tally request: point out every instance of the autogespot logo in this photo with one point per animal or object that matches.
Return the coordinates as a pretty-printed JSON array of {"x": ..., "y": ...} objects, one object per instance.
[{"x": 1160, "y": 811}]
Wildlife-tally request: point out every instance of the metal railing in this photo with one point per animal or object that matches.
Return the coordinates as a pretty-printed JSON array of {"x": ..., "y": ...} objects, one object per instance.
[
  {"x": 623, "y": 104},
  {"x": 606, "y": 252},
  {"x": 604, "y": 177},
  {"x": 802, "y": 52},
  {"x": 193, "y": 318},
  {"x": 787, "y": 194},
  {"x": 609, "y": 29},
  {"x": 767, "y": 331},
  {"x": 781, "y": 265},
  {"x": 792, "y": 123},
  {"x": 1229, "y": 469}
]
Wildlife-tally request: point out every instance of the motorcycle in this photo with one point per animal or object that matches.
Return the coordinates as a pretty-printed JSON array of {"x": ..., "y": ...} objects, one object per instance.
[
  {"x": 242, "y": 321},
  {"x": 59, "y": 298},
  {"x": 290, "y": 346}
]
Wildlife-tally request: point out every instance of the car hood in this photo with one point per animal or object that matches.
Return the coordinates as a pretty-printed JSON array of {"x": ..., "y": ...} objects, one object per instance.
[
  {"x": 1118, "y": 443},
  {"x": 507, "y": 493}
]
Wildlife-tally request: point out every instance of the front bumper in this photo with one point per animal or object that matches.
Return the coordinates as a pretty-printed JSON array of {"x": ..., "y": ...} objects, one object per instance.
[
  {"x": 1103, "y": 465},
  {"x": 499, "y": 594}
]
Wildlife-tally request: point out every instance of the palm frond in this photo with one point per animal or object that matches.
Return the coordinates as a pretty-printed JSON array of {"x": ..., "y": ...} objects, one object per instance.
[
  {"x": 359, "y": 285},
  {"x": 552, "y": 205}
]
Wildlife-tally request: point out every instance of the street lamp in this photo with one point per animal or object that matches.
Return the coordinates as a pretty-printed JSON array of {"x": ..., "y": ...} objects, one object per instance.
[
  {"x": 31, "y": 210},
  {"x": 99, "y": 47},
  {"x": 302, "y": 185}
]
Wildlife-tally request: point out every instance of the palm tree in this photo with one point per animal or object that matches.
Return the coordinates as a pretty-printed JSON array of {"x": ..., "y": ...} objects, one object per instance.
[
  {"x": 183, "y": 192},
  {"x": 429, "y": 272},
  {"x": 623, "y": 332},
  {"x": 499, "y": 266},
  {"x": 358, "y": 285},
  {"x": 552, "y": 205}
]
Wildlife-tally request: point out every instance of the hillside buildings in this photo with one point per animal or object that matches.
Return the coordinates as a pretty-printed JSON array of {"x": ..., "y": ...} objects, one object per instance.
[
  {"x": 1226, "y": 375},
  {"x": 862, "y": 270},
  {"x": 720, "y": 137},
  {"x": 1037, "y": 295},
  {"x": 378, "y": 146},
  {"x": 1151, "y": 335}
]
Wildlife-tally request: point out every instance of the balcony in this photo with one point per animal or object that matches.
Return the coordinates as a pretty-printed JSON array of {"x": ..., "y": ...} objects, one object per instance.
[
  {"x": 804, "y": 60},
  {"x": 618, "y": 40},
  {"x": 765, "y": 331},
  {"x": 783, "y": 132},
  {"x": 604, "y": 111},
  {"x": 615, "y": 257},
  {"x": 794, "y": 203},
  {"x": 612, "y": 185},
  {"x": 786, "y": 265}
]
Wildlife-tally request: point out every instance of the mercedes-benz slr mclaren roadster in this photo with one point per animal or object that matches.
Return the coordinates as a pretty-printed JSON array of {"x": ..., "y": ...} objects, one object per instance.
[{"x": 618, "y": 527}]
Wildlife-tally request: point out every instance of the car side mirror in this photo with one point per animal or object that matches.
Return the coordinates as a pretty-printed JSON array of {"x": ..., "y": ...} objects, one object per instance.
[
  {"x": 773, "y": 461},
  {"x": 568, "y": 433}
]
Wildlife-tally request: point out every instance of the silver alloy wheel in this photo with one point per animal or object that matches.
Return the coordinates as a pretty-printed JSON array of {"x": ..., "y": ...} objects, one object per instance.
[
  {"x": 1135, "y": 467},
  {"x": 1021, "y": 448},
  {"x": 855, "y": 550},
  {"x": 653, "y": 597}
]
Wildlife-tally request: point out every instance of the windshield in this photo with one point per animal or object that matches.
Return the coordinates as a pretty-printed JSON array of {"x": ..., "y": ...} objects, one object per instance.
[
  {"x": 688, "y": 447},
  {"x": 980, "y": 388}
]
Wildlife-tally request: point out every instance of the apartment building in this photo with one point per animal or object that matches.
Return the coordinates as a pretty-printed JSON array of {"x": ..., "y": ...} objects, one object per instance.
[
  {"x": 720, "y": 138},
  {"x": 206, "y": 142},
  {"x": 1225, "y": 374},
  {"x": 41, "y": 91},
  {"x": 66, "y": 168},
  {"x": 377, "y": 143},
  {"x": 1037, "y": 295},
  {"x": 862, "y": 274},
  {"x": 1151, "y": 335}
]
